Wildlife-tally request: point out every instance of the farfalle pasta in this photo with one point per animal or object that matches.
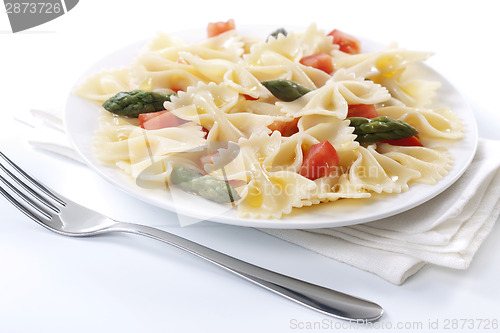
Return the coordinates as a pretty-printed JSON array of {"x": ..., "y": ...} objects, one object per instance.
[{"x": 221, "y": 120}]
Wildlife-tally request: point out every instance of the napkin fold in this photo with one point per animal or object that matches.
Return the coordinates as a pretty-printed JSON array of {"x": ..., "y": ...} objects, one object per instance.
[
  {"x": 446, "y": 231},
  {"x": 49, "y": 133}
]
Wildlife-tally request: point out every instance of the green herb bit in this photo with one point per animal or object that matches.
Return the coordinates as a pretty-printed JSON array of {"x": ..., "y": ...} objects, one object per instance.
[
  {"x": 206, "y": 186},
  {"x": 286, "y": 90},
  {"x": 133, "y": 103},
  {"x": 380, "y": 129}
]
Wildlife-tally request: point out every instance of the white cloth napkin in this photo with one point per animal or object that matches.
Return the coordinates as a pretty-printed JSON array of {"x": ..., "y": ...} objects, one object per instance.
[
  {"x": 49, "y": 133},
  {"x": 446, "y": 231}
]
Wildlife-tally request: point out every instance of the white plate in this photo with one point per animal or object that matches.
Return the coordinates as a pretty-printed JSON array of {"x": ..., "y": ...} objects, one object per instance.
[{"x": 81, "y": 121}]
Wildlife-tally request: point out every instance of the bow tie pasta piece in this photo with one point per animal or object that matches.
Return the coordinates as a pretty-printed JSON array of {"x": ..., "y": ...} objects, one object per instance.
[
  {"x": 373, "y": 171},
  {"x": 279, "y": 58},
  {"x": 332, "y": 189},
  {"x": 430, "y": 123},
  {"x": 105, "y": 84},
  {"x": 289, "y": 155},
  {"x": 406, "y": 86},
  {"x": 227, "y": 46},
  {"x": 232, "y": 74},
  {"x": 431, "y": 163},
  {"x": 386, "y": 62},
  {"x": 210, "y": 106},
  {"x": 358, "y": 91},
  {"x": 334, "y": 97},
  {"x": 286, "y": 46},
  {"x": 312, "y": 129},
  {"x": 148, "y": 147},
  {"x": 120, "y": 142},
  {"x": 257, "y": 107},
  {"x": 161, "y": 64},
  {"x": 207, "y": 106},
  {"x": 109, "y": 140},
  {"x": 313, "y": 41},
  {"x": 288, "y": 70},
  {"x": 326, "y": 100},
  {"x": 248, "y": 123},
  {"x": 227, "y": 163},
  {"x": 269, "y": 194},
  {"x": 230, "y": 42},
  {"x": 205, "y": 96},
  {"x": 330, "y": 128},
  {"x": 162, "y": 42},
  {"x": 230, "y": 127},
  {"x": 153, "y": 72},
  {"x": 273, "y": 66}
]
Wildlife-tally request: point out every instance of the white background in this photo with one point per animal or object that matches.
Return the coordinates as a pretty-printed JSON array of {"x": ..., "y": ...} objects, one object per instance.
[{"x": 120, "y": 283}]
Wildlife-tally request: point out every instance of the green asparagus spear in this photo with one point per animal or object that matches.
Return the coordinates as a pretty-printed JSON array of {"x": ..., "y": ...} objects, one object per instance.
[
  {"x": 133, "y": 103},
  {"x": 277, "y": 32},
  {"x": 286, "y": 90},
  {"x": 380, "y": 129},
  {"x": 206, "y": 186},
  {"x": 181, "y": 175}
]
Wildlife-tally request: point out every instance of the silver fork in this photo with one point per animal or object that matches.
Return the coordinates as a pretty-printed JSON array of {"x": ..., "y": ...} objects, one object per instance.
[{"x": 59, "y": 214}]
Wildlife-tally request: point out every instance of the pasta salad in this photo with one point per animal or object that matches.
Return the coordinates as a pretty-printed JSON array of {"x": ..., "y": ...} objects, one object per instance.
[{"x": 272, "y": 124}]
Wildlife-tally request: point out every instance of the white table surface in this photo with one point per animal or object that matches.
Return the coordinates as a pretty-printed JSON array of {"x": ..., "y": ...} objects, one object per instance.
[{"x": 125, "y": 283}]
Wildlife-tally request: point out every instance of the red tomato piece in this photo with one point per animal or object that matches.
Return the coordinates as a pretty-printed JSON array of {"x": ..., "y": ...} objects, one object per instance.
[
  {"x": 320, "y": 61},
  {"x": 216, "y": 28},
  {"x": 348, "y": 44},
  {"x": 362, "y": 110},
  {"x": 206, "y": 131},
  {"x": 158, "y": 120},
  {"x": 177, "y": 89},
  {"x": 236, "y": 182},
  {"x": 319, "y": 161},
  {"x": 144, "y": 117},
  {"x": 409, "y": 142},
  {"x": 286, "y": 128},
  {"x": 250, "y": 98}
]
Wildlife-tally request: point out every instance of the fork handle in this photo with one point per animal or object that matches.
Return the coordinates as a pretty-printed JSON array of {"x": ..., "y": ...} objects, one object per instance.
[{"x": 324, "y": 300}]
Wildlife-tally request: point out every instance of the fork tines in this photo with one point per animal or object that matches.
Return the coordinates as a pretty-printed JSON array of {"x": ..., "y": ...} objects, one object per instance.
[{"x": 16, "y": 183}]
